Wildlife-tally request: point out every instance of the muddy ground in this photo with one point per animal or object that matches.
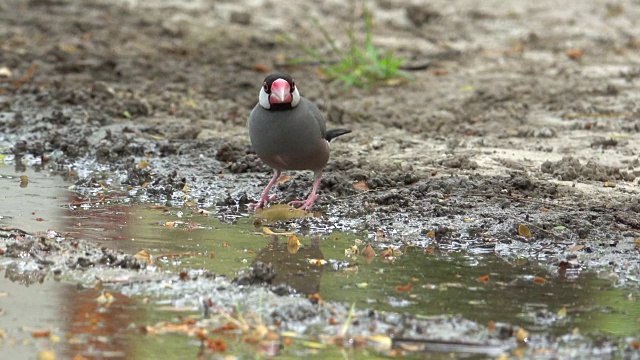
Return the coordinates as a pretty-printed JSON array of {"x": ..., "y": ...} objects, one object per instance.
[{"x": 518, "y": 113}]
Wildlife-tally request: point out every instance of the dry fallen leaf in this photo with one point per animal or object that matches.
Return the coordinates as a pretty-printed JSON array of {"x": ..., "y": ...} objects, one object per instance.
[
  {"x": 47, "y": 355},
  {"x": 5, "y": 72},
  {"x": 368, "y": 252},
  {"x": 574, "y": 54},
  {"x": 283, "y": 179},
  {"x": 523, "y": 230},
  {"x": 315, "y": 298},
  {"x": 539, "y": 280},
  {"x": 361, "y": 185},
  {"x": 41, "y": 334},
  {"x": 576, "y": 248},
  {"x": 144, "y": 256},
  {"x": 522, "y": 335},
  {"x": 158, "y": 207},
  {"x": 484, "y": 278},
  {"x": 261, "y": 68},
  {"x": 407, "y": 287},
  {"x": 439, "y": 72}
]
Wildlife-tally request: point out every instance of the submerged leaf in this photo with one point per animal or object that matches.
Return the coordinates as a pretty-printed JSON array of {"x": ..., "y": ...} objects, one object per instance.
[
  {"x": 523, "y": 230},
  {"x": 281, "y": 212}
]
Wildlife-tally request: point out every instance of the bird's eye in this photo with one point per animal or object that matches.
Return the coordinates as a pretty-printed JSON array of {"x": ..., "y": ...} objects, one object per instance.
[
  {"x": 293, "y": 86},
  {"x": 266, "y": 86}
]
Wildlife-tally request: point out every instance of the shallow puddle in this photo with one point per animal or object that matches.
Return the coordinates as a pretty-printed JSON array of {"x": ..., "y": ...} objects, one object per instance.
[{"x": 406, "y": 279}]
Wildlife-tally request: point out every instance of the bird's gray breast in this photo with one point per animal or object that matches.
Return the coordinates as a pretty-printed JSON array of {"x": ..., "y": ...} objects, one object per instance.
[{"x": 289, "y": 139}]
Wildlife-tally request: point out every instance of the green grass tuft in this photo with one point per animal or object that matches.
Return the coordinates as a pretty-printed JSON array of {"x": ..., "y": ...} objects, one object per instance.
[{"x": 361, "y": 64}]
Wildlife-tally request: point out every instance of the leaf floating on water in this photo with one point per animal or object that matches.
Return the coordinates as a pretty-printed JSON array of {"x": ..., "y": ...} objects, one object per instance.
[
  {"x": 269, "y": 232},
  {"x": 562, "y": 312},
  {"x": 352, "y": 251},
  {"x": 539, "y": 280},
  {"x": 105, "y": 299},
  {"x": 407, "y": 287},
  {"x": 293, "y": 241},
  {"x": 483, "y": 278},
  {"x": 282, "y": 212},
  {"x": 368, "y": 251},
  {"x": 293, "y": 244},
  {"x": 143, "y": 164},
  {"x": 523, "y": 230}
]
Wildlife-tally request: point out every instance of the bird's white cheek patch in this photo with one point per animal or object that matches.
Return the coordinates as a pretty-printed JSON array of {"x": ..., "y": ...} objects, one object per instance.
[
  {"x": 296, "y": 98},
  {"x": 263, "y": 99}
]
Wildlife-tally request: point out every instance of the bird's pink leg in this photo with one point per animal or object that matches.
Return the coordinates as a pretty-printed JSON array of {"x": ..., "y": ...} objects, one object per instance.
[
  {"x": 311, "y": 199},
  {"x": 264, "y": 198}
]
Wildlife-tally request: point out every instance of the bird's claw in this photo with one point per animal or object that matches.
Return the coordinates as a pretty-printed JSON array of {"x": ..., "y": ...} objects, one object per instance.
[
  {"x": 306, "y": 204},
  {"x": 262, "y": 202}
]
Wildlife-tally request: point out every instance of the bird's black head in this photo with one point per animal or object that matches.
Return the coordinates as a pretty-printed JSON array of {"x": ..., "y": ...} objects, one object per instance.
[{"x": 279, "y": 92}]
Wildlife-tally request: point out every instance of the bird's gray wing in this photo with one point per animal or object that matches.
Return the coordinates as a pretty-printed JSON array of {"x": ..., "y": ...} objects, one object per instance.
[{"x": 317, "y": 115}]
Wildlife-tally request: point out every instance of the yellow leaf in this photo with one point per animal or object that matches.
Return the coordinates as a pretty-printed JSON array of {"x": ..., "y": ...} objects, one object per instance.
[
  {"x": 318, "y": 262},
  {"x": 562, "y": 312},
  {"x": 144, "y": 256},
  {"x": 380, "y": 342},
  {"x": 314, "y": 345},
  {"x": 143, "y": 164},
  {"x": 281, "y": 212},
  {"x": 293, "y": 241},
  {"x": 523, "y": 230},
  {"x": 522, "y": 335},
  {"x": 267, "y": 231}
]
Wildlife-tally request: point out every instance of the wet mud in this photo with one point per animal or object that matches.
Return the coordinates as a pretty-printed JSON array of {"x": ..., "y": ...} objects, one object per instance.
[{"x": 518, "y": 136}]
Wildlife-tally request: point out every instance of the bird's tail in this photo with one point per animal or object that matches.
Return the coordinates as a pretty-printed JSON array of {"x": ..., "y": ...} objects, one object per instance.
[{"x": 334, "y": 133}]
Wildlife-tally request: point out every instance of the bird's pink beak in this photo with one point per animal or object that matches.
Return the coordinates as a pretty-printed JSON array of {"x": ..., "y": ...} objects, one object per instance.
[{"x": 280, "y": 92}]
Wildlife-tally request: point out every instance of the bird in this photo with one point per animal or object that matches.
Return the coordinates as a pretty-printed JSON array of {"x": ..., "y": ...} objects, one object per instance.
[{"x": 288, "y": 132}]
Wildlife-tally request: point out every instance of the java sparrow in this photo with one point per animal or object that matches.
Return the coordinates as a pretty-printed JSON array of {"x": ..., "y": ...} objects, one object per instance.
[{"x": 288, "y": 132}]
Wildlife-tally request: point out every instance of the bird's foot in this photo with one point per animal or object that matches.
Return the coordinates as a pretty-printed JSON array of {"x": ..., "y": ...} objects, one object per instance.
[
  {"x": 262, "y": 202},
  {"x": 305, "y": 204}
]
